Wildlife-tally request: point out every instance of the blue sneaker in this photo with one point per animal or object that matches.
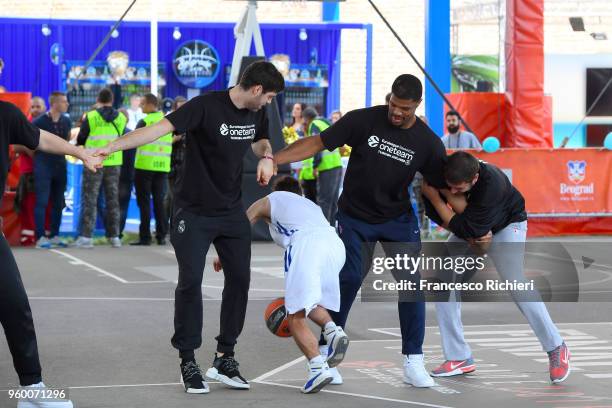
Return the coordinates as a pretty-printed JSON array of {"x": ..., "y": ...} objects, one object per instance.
[
  {"x": 319, "y": 378},
  {"x": 43, "y": 243},
  {"x": 337, "y": 344},
  {"x": 56, "y": 241}
]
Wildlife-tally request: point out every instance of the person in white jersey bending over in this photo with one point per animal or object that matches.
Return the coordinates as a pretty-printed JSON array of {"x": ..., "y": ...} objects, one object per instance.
[{"x": 314, "y": 256}]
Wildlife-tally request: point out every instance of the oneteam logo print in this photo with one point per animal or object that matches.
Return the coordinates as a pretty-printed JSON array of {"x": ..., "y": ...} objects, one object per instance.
[
  {"x": 373, "y": 141},
  {"x": 224, "y": 129}
]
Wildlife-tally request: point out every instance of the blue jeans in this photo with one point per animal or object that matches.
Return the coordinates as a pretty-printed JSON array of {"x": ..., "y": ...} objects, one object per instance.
[
  {"x": 359, "y": 238},
  {"x": 49, "y": 186}
]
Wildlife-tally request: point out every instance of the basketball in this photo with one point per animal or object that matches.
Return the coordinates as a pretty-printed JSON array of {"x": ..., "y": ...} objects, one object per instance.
[{"x": 276, "y": 318}]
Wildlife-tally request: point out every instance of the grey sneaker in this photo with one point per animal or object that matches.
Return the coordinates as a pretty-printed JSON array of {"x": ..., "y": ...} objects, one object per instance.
[
  {"x": 84, "y": 242},
  {"x": 115, "y": 242}
]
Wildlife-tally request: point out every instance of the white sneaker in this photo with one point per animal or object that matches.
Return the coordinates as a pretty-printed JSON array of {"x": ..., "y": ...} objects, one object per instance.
[
  {"x": 37, "y": 403},
  {"x": 84, "y": 242},
  {"x": 337, "y": 377},
  {"x": 56, "y": 241},
  {"x": 115, "y": 242},
  {"x": 337, "y": 344},
  {"x": 415, "y": 372},
  {"x": 43, "y": 243},
  {"x": 319, "y": 377}
]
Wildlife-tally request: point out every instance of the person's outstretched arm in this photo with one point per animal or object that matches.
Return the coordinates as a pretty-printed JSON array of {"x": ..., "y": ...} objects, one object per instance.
[
  {"x": 138, "y": 137},
  {"x": 260, "y": 209},
  {"x": 265, "y": 167},
  {"x": 50, "y": 143},
  {"x": 300, "y": 150}
]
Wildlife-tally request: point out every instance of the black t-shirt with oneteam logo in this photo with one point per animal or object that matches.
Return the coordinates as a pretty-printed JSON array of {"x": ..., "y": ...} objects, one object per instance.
[
  {"x": 218, "y": 135},
  {"x": 383, "y": 161}
]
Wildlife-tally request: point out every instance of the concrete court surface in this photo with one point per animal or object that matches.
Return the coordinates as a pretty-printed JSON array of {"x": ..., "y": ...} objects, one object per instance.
[{"x": 104, "y": 322}]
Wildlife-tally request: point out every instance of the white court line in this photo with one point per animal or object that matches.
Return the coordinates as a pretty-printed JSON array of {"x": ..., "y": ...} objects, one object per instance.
[
  {"x": 279, "y": 369},
  {"x": 599, "y": 376},
  {"x": 374, "y": 397},
  {"x": 385, "y": 330},
  {"x": 89, "y": 387},
  {"x": 77, "y": 261},
  {"x": 151, "y": 281}
]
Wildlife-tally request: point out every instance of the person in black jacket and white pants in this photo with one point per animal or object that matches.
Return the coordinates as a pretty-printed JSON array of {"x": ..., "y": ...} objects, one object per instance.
[{"x": 488, "y": 211}]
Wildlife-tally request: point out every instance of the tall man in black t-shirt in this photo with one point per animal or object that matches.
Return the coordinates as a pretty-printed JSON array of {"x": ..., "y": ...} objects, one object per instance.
[
  {"x": 15, "y": 313},
  {"x": 219, "y": 127},
  {"x": 389, "y": 145},
  {"x": 487, "y": 210}
]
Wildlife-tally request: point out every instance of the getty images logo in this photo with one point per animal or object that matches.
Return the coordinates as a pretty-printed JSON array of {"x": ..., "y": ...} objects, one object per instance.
[
  {"x": 224, "y": 129},
  {"x": 373, "y": 141}
]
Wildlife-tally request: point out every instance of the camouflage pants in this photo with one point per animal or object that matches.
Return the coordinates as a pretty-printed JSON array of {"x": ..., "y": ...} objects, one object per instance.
[{"x": 109, "y": 176}]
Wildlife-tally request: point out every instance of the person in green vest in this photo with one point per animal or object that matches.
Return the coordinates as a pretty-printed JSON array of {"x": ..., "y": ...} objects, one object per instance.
[
  {"x": 326, "y": 166},
  {"x": 308, "y": 174},
  {"x": 152, "y": 166},
  {"x": 99, "y": 128}
]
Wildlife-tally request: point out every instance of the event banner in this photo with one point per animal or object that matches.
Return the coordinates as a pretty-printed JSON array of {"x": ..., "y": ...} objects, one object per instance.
[{"x": 558, "y": 181}]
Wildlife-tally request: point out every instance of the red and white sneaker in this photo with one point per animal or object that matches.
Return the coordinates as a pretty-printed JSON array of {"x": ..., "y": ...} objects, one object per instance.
[
  {"x": 450, "y": 368},
  {"x": 559, "y": 363}
]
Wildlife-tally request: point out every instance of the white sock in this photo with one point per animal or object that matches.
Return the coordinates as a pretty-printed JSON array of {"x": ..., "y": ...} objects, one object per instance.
[
  {"x": 415, "y": 357},
  {"x": 330, "y": 327},
  {"x": 318, "y": 360}
]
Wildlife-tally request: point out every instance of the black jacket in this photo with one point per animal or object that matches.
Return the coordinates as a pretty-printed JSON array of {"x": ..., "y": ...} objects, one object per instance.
[{"x": 493, "y": 204}]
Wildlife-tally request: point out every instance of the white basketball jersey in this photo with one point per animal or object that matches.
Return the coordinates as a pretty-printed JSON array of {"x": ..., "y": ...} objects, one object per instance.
[{"x": 291, "y": 213}]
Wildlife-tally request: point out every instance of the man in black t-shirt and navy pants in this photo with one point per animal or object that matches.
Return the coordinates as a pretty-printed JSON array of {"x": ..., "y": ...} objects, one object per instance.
[
  {"x": 219, "y": 127},
  {"x": 15, "y": 313},
  {"x": 389, "y": 145}
]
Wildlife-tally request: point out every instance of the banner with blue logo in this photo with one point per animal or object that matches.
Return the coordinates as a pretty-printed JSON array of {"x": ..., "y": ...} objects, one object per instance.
[{"x": 196, "y": 64}]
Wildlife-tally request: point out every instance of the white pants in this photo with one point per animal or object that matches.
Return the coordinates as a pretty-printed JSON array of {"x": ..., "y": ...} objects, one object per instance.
[
  {"x": 312, "y": 266},
  {"x": 509, "y": 265}
]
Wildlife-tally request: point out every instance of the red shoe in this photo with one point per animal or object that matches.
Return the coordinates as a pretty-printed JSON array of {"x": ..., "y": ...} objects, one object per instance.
[
  {"x": 559, "y": 363},
  {"x": 450, "y": 368}
]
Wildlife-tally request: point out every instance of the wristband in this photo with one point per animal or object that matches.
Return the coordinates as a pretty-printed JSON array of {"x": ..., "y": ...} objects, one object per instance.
[{"x": 267, "y": 157}]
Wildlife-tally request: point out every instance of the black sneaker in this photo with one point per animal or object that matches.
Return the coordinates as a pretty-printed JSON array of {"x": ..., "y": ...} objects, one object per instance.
[
  {"x": 225, "y": 369},
  {"x": 191, "y": 375}
]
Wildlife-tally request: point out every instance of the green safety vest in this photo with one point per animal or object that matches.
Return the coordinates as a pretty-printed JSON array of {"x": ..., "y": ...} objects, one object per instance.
[
  {"x": 156, "y": 155},
  {"x": 103, "y": 133},
  {"x": 329, "y": 160}
]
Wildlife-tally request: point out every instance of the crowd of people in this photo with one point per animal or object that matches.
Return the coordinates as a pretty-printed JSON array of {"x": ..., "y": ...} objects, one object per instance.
[
  {"x": 152, "y": 170},
  {"x": 325, "y": 267}
]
